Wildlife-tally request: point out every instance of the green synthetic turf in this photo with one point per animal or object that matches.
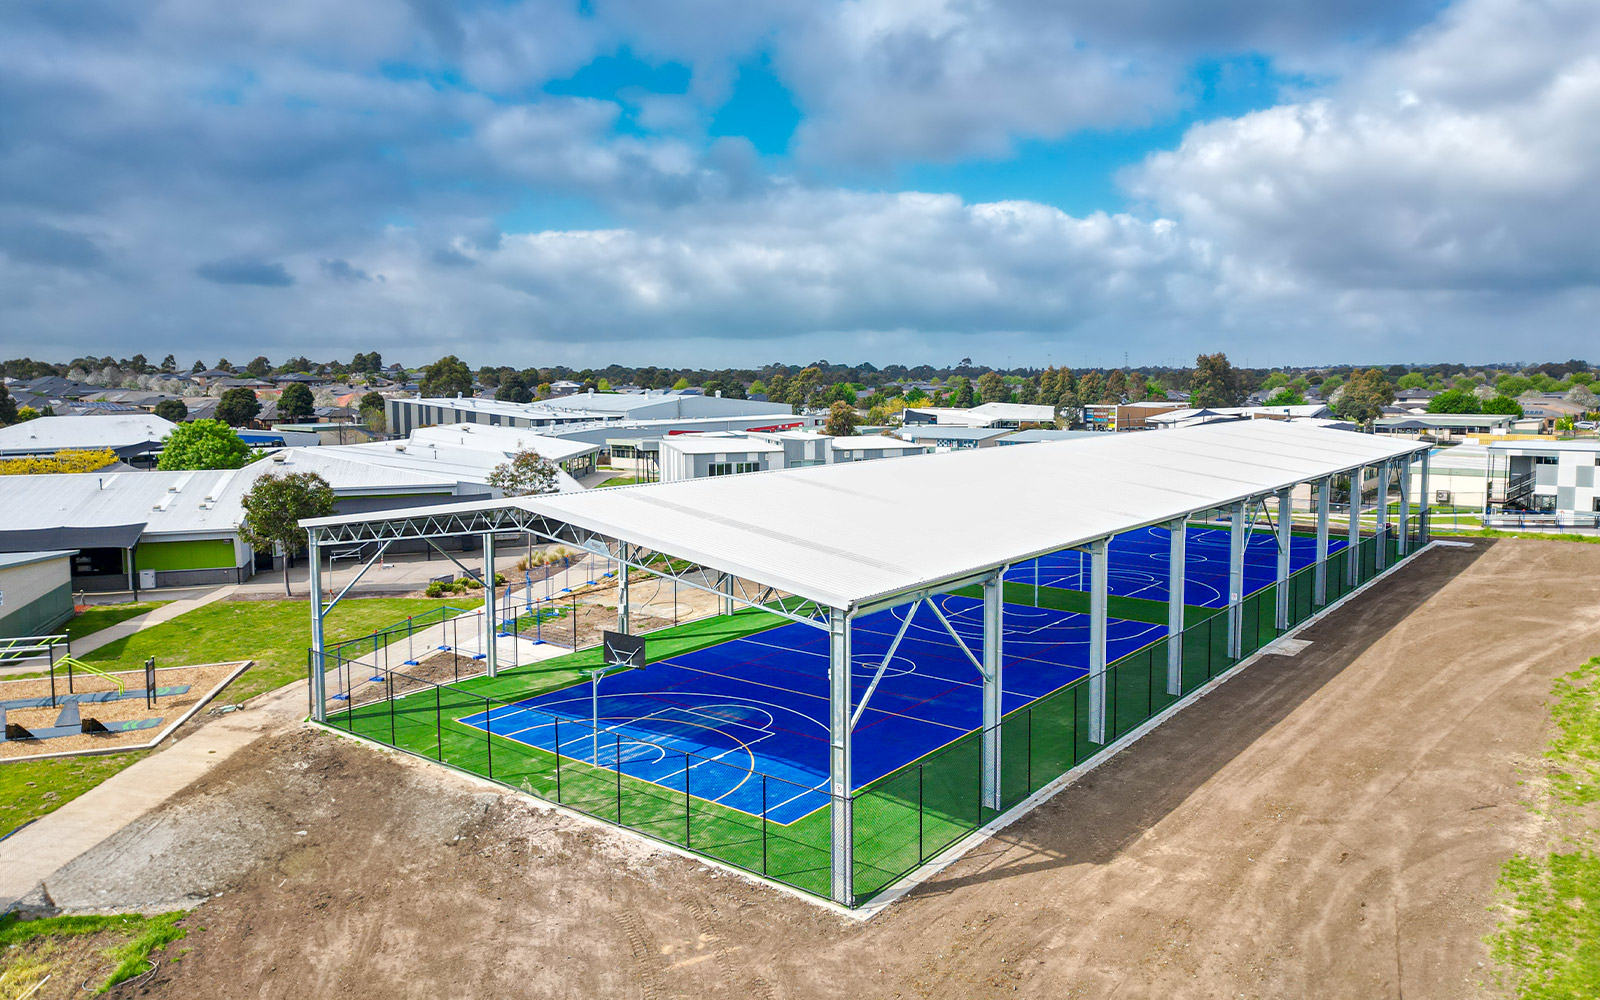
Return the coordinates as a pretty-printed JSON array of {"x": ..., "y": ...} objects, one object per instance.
[{"x": 900, "y": 820}]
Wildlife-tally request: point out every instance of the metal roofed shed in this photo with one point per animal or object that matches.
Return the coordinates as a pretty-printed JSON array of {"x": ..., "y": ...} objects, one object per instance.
[
  {"x": 130, "y": 435},
  {"x": 854, "y": 551}
]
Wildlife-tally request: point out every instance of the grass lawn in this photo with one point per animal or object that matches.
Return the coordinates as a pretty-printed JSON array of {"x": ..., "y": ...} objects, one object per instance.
[
  {"x": 621, "y": 481},
  {"x": 107, "y": 615},
  {"x": 273, "y": 633},
  {"x": 1547, "y": 941},
  {"x": 77, "y": 949},
  {"x": 31, "y": 789}
]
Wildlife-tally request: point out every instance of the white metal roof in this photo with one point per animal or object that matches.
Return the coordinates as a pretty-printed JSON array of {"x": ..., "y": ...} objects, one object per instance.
[
  {"x": 845, "y": 535},
  {"x": 715, "y": 444},
  {"x": 1015, "y": 411},
  {"x": 874, "y": 442},
  {"x": 110, "y": 430}
]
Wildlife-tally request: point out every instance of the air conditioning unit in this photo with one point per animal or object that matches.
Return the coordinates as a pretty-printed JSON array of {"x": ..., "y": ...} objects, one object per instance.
[{"x": 1441, "y": 496}]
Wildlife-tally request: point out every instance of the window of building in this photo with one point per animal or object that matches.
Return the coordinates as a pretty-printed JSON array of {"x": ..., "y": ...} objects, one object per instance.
[
  {"x": 1545, "y": 460},
  {"x": 732, "y": 468}
]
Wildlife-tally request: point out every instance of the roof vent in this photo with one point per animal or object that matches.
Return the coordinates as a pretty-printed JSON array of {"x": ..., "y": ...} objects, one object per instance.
[{"x": 279, "y": 457}]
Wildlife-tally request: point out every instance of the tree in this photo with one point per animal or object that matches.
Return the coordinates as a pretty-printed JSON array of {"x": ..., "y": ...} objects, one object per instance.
[
  {"x": 1137, "y": 387},
  {"x": 1091, "y": 388},
  {"x": 1364, "y": 396},
  {"x": 513, "y": 389},
  {"x": 203, "y": 444},
  {"x": 274, "y": 508},
  {"x": 374, "y": 412},
  {"x": 682, "y": 383},
  {"x": 1412, "y": 380},
  {"x": 1581, "y": 395},
  {"x": 1116, "y": 385},
  {"x": 1155, "y": 390},
  {"x": 1215, "y": 382},
  {"x": 8, "y": 406},
  {"x": 27, "y": 413},
  {"x": 198, "y": 366},
  {"x": 449, "y": 376},
  {"x": 259, "y": 367},
  {"x": 1503, "y": 404},
  {"x": 1454, "y": 401},
  {"x": 841, "y": 420},
  {"x": 295, "y": 403},
  {"x": 223, "y": 364},
  {"x": 238, "y": 406},
  {"x": 526, "y": 473},
  {"x": 175, "y": 410},
  {"x": 169, "y": 364},
  {"x": 960, "y": 391},
  {"x": 1286, "y": 397},
  {"x": 993, "y": 388},
  {"x": 758, "y": 388}
]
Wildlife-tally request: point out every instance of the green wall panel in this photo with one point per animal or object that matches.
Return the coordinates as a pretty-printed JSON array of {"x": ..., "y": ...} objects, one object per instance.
[{"x": 205, "y": 553}]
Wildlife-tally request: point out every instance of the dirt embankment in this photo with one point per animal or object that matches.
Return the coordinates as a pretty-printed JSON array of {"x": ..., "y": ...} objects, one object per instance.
[{"x": 1328, "y": 825}]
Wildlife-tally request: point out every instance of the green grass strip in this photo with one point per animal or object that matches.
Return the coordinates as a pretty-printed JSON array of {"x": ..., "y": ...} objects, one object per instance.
[
  {"x": 143, "y": 935},
  {"x": 1546, "y": 943}
]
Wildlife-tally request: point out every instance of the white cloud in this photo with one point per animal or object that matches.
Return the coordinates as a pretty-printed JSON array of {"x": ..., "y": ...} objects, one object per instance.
[{"x": 1465, "y": 162}]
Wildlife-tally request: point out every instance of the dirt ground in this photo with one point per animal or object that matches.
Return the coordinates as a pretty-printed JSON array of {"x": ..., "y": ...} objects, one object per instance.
[
  {"x": 199, "y": 679},
  {"x": 1327, "y": 825}
]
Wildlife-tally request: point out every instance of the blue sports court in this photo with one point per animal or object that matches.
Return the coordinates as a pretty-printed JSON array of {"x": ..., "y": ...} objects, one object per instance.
[{"x": 710, "y": 722}]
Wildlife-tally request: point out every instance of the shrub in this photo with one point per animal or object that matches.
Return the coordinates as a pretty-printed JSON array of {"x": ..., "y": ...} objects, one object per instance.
[
  {"x": 435, "y": 589},
  {"x": 469, "y": 583}
]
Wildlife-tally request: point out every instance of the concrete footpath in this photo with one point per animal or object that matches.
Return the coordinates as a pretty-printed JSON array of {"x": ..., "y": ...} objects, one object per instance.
[
  {"x": 121, "y": 630},
  {"x": 29, "y": 857}
]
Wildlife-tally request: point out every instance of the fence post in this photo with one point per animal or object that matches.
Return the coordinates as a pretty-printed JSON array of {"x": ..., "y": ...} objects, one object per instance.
[
  {"x": 920, "y": 856},
  {"x": 438, "y": 723},
  {"x": 392, "y": 740},
  {"x": 616, "y": 763},
  {"x": 763, "y": 824},
  {"x": 687, "y": 828},
  {"x": 558, "y": 758},
  {"x": 1029, "y": 753},
  {"x": 488, "y": 735}
]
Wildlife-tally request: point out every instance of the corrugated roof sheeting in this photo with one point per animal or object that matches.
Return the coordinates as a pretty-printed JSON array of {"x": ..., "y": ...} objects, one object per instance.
[{"x": 846, "y": 535}]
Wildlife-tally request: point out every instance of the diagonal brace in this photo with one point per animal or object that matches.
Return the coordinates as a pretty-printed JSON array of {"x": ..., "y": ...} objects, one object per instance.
[
  {"x": 951, "y": 629},
  {"x": 893, "y": 646}
]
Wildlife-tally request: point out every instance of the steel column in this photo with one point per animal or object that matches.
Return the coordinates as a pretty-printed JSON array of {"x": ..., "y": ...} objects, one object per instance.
[
  {"x": 1285, "y": 539},
  {"x": 1097, "y": 640},
  {"x": 1381, "y": 527},
  {"x": 843, "y": 861},
  {"x": 318, "y": 679},
  {"x": 622, "y": 591},
  {"x": 1320, "y": 574},
  {"x": 491, "y": 607},
  {"x": 1177, "y": 577},
  {"x": 1424, "y": 501},
  {"x": 1354, "y": 531},
  {"x": 1237, "y": 539},
  {"x": 993, "y": 633},
  {"x": 727, "y": 591},
  {"x": 1405, "y": 505}
]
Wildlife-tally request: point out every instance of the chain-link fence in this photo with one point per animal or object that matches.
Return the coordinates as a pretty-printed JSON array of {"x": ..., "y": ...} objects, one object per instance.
[{"x": 781, "y": 829}]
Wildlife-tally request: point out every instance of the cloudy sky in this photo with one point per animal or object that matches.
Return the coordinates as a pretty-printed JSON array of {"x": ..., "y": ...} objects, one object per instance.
[{"x": 716, "y": 182}]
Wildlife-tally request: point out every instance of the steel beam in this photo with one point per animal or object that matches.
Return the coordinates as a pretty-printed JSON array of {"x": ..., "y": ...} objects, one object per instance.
[
  {"x": 993, "y": 636},
  {"x": 1237, "y": 539},
  {"x": 843, "y": 841},
  {"x": 1097, "y": 640},
  {"x": 1285, "y": 541},
  {"x": 1177, "y": 577}
]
